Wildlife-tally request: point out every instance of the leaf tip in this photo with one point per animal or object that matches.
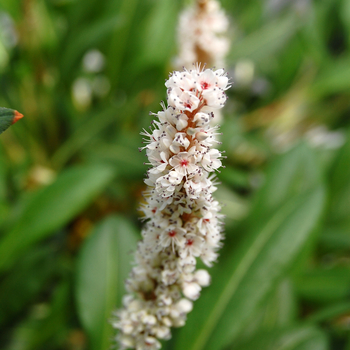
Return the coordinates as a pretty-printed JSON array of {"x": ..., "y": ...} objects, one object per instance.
[{"x": 17, "y": 117}]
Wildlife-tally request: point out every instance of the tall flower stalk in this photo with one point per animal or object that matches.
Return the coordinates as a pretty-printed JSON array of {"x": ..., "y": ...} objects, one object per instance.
[
  {"x": 201, "y": 35},
  {"x": 183, "y": 220}
]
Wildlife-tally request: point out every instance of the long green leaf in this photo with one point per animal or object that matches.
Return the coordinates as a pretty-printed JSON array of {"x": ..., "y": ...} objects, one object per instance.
[
  {"x": 336, "y": 232},
  {"x": 103, "y": 265},
  {"x": 324, "y": 285},
  {"x": 290, "y": 174},
  {"x": 283, "y": 217},
  {"x": 297, "y": 338},
  {"x": 242, "y": 283},
  {"x": 53, "y": 207}
]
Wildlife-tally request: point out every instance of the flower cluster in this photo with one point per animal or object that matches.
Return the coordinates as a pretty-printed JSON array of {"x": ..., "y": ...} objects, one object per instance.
[
  {"x": 182, "y": 217},
  {"x": 200, "y": 35}
]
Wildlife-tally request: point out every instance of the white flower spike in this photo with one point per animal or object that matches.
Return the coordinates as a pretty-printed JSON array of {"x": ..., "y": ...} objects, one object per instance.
[
  {"x": 182, "y": 218},
  {"x": 202, "y": 37}
]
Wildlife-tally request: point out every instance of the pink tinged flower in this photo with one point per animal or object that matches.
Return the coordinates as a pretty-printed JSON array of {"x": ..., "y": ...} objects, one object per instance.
[
  {"x": 183, "y": 163},
  {"x": 173, "y": 236},
  {"x": 215, "y": 98},
  {"x": 205, "y": 225},
  {"x": 206, "y": 80},
  {"x": 193, "y": 246},
  {"x": 183, "y": 100}
]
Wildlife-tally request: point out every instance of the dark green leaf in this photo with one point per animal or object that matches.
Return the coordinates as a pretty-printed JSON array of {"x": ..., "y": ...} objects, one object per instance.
[
  {"x": 52, "y": 208},
  {"x": 325, "y": 285},
  {"x": 31, "y": 273},
  {"x": 297, "y": 338},
  {"x": 295, "y": 172},
  {"x": 103, "y": 266},
  {"x": 285, "y": 214},
  {"x": 336, "y": 232},
  {"x": 241, "y": 284}
]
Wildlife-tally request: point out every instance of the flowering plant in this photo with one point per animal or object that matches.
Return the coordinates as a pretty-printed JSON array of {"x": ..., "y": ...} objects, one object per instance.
[
  {"x": 182, "y": 217},
  {"x": 202, "y": 34}
]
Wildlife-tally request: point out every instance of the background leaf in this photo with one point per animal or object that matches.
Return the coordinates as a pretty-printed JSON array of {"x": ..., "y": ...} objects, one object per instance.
[
  {"x": 247, "y": 276},
  {"x": 52, "y": 207},
  {"x": 297, "y": 338},
  {"x": 103, "y": 265}
]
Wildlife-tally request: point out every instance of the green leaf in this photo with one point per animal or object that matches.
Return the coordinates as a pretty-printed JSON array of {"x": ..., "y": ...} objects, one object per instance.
[
  {"x": 31, "y": 274},
  {"x": 324, "y": 285},
  {"x": 53, "y": 207},
  {"x": 286, "y": 212},
  {"x": 263, "y": 43},
  {"x": 336, "y": 232},
  {"x": 330, "y": 312},
  {"x": 334, "y": 79},
  {"x": 295, "y": 172},
  {"x": 242, "y": 283},
  {"x": 159, "y": 26},
  {"x": 8, "y": 117},
  {"x": 85, "y": 38},
  {"x": 103, "y": 265},
  {"x": 339, "y": 183},
  {"x": 297, "y": 338},
  {"x": 47, "y": 325},
  {"x": 281, "y": 307},
  {"x": 280, "y": 310}
]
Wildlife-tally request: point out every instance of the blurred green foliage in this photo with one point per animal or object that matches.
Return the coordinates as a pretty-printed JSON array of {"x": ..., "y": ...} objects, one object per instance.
[{"x": 85, "y": 75}]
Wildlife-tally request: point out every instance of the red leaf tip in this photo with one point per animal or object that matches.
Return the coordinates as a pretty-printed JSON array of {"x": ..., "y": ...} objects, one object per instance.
[{"x": 17, "y": 117}]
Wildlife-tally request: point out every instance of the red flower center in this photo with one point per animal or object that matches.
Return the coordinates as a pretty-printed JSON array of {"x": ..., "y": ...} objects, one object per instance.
[
  {"x": 204, "y": 85},
  {"x": 172, "y": 233},
  {"x": 184, "y": 162},
  {"x": 189, "y": 241},
  {"x": 187, "y": 105}
]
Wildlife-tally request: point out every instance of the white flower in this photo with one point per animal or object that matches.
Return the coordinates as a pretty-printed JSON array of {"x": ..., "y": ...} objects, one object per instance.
[
  {"x": 180, "y": 141},
  {"x": 165, "y": 185},
  {"x": 192, "y": 247},
  {"x": 172, "y": 236},
  {"x": 184, "y": 101},
  {"x": 210, "y": 160},
  {"x": 183, "y": 163}
]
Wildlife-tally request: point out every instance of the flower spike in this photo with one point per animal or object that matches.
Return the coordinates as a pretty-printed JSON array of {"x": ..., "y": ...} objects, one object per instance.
[{"x": 182, "y": 219}]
